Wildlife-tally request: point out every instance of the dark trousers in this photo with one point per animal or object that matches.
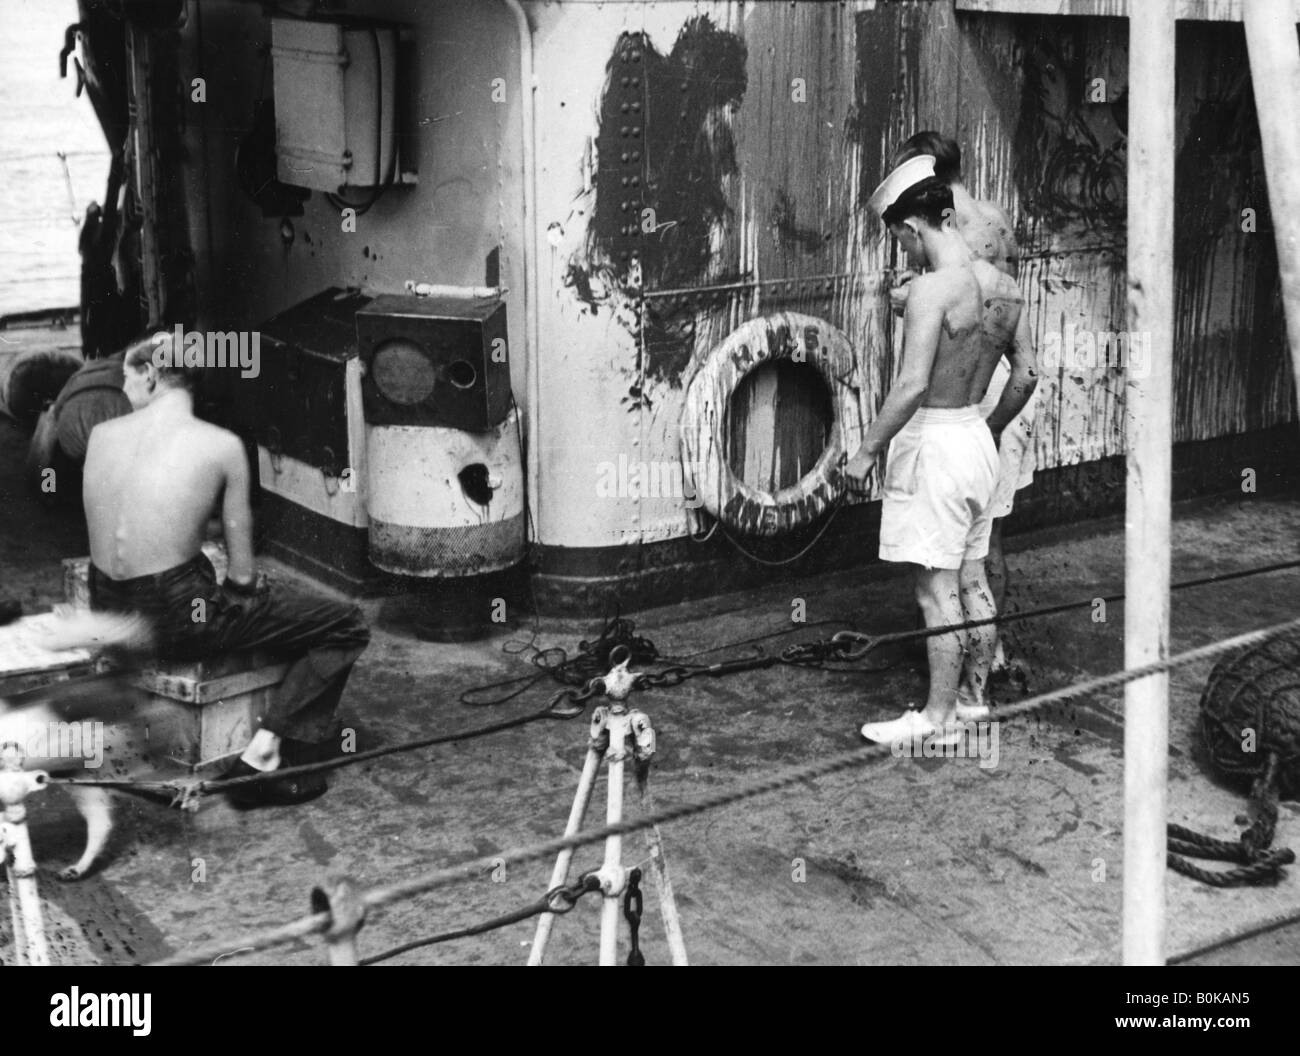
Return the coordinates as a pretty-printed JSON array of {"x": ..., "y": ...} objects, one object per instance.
[{"x": 320, "y": 639}]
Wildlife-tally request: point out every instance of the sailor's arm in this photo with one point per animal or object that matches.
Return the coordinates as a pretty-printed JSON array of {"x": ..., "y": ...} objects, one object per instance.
[
  {"x": 921, "y": 331},
  {"x": 237, "y": 516},
  {"x": 1023, "y": 380}
]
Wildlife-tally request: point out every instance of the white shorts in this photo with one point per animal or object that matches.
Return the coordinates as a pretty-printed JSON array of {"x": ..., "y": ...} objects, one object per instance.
[
  {"x": 938, "y": 490},
  {"x": 1016, "y": 451}
]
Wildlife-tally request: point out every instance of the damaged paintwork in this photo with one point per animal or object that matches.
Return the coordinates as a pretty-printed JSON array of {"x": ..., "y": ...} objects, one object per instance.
[{"x": 664, "y": 150}]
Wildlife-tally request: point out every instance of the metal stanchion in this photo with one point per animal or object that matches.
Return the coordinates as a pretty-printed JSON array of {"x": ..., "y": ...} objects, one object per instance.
[
  {"x": 24, "y": 897},
  {"x": 347, "y": 913},
  {"x": 612, "y": 876},
  {"x": 595, "y": 749},
  {"x": 612, "y": 728},
  {"x": 1148, "y": 416},
  {"x": 645, "y": 747}
]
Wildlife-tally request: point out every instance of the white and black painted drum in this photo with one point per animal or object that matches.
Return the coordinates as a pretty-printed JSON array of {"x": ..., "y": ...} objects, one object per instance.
[{"x": 445, "y": 502}]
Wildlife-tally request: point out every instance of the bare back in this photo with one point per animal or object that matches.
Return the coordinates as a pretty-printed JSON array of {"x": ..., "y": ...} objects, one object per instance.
[
  {"x": 954, "y": 294},
  {"x": 987, "y": 230},
  {"x": 151, "y": 482},
  {"x": 1002, "y": 306}
]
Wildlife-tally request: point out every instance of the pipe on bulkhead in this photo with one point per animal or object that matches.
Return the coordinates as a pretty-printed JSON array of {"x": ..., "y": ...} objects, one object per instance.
[{"x": 528, "y": 86}]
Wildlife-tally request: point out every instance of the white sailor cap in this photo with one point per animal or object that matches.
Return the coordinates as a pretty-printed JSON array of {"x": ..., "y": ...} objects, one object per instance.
[{"x": 906, "y": 176}]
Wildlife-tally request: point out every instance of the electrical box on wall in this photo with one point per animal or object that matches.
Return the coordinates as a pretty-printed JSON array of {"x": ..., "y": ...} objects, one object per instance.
[
  {"x": 337, "y": 97},
  {"x": 434, "y": 361}
]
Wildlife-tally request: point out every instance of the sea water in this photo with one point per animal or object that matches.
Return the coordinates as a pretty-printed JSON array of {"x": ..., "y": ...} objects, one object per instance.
[{"x": 40, "y": 117}]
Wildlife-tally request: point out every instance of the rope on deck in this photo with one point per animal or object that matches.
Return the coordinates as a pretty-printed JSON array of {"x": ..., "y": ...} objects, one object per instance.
[
  {"x": 558, "y": 900},
  {"x": 593, "y": 658},
  {"x": 381, "y": 896}
]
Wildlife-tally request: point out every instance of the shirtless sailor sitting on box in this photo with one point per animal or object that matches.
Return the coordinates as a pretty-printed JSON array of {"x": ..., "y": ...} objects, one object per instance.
[
  {"x": 942, "y": 462},
  {"x": 152, "y": 479}
]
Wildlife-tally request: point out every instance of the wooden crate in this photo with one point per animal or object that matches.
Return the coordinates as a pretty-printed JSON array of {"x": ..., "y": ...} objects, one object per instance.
[
  {"x": 199, "y": 713},
  {"x": 203, "y": 713},
  {"x": 192, "y": 714}
]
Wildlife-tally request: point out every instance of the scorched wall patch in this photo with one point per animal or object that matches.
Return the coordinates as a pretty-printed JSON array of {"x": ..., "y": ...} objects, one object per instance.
[{"x": 665, "y": 148}]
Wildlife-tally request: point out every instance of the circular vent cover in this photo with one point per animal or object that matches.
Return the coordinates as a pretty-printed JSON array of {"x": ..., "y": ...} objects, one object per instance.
[{"x": 402, "y": 372}]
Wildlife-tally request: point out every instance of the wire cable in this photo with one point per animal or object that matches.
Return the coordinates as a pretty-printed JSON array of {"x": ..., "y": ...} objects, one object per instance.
[
  {"x": 568, "y": 898},
  {"x": 785, "y": 778}
]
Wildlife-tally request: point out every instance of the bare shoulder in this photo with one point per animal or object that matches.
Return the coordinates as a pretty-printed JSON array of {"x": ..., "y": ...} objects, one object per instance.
[
  {"x": 931, "y": 292},
  {"x": 219, "y": 443},
  {"x": 943, "y": 283},
  {"x": 994, "y": 214},
  {"x": 940, "y": 293},
  {"x": 996, "y": 217},
  {"x": 927, "y": 284},
  {"x": 107, "y": 433},
  {"x": 996, "y": 284}
]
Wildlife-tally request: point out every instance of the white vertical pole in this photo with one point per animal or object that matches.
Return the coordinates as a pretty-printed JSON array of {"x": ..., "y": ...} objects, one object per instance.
[
  {"x": 560, "y": 873},
  {"x": 16, "y": 851},
  {"x": 1275, "y": 71},
  {"x": 664, "y": 886},
  {"x": 528, "y": 236},
  {"x": 1149, "y": 429},
  {"x": 610, "y": 912}
]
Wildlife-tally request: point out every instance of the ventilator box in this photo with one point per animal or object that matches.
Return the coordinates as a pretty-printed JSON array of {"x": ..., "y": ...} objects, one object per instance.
[
  {"x": 386, "y": 436},
  {"x": 435, "y": 361},
  {"x": 303, "y": 412}
]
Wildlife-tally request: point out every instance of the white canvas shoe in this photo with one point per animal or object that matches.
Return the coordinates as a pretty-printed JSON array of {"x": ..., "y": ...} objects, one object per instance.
[
  {"x": 968, "y": 710},
  {"x": 910, "y": 726}
]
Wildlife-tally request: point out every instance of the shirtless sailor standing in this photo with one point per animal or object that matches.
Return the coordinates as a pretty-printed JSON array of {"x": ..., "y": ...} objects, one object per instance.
[
  {"x": 943, "y": 461},
  {"x": 987, "y": 230},
  {"x": 152, "y": 480}
]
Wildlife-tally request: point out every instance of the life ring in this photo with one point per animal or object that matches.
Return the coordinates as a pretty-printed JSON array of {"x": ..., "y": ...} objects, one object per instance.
[{"x": 768, "y": 338}]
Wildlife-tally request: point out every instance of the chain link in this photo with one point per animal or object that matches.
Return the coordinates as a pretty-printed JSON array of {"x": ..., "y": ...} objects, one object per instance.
[
  {"x": 570, "y": 702},
  {"x": 765, "y": 784},
  {"x": 632, "y": 905},
  {"x": 562, "y": 899},
  {"x": 844, "y": 641},
  {"x": 669, "y": 676}
]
